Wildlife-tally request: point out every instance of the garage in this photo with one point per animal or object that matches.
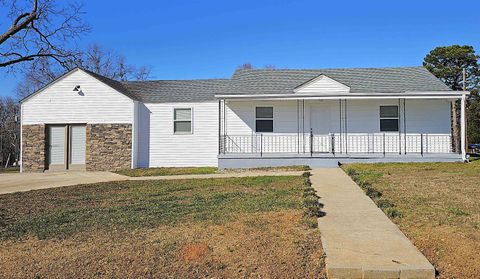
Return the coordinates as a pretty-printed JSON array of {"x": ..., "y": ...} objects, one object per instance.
[{"x": 66, "y": 147}]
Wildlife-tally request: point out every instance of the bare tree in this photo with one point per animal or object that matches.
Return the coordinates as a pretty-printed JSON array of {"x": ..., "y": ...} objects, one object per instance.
[
  {"x": 9, "y": 132},
  {"x": 97, "y": 59},
  {"x": 40, "y": 29},
  {"x": 108, "y": 63},
  {"x": 245, "y": 66},
  {"x": 249, "y": 66}
]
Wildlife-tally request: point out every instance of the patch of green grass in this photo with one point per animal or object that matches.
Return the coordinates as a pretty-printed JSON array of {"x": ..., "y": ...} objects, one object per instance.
[
  {"x": 60, "y": 212},
  {"x": 272, "y": 169},
  {"x": 167, "y": 171},
  {"x": 9, "y": 170},
  {"x": 457, "y": 211},
  {"x": 284, "y": 168}
]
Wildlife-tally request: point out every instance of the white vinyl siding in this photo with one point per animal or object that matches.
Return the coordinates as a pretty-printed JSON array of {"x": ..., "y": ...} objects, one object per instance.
[
  {"x": 56, "y": 154},
  {"x": 77, "y": 144},
  {"x": 322, "y": 84},
  {"x": 158, "y": 146},
  {"x": 323, "y": 117},
  {"x": 96, "y": 103}
]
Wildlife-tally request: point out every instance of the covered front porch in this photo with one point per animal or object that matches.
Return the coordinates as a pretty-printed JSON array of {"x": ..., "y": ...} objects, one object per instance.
[{"x": 382, "y": 128}]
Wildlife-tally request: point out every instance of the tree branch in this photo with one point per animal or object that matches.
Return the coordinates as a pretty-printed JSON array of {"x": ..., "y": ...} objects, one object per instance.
[
  {"x": 32, "y": 57},
  {"x": 16, "y": 27}
]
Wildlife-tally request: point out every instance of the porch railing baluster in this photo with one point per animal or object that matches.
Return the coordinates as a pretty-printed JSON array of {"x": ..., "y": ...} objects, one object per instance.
[
  {"x": 311, "y": 143},
  {"x": 367, "y": 143}
]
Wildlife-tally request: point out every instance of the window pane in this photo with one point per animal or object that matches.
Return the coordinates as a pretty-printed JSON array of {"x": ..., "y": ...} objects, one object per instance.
[
  {"x": 388, "y": 111},
  {"x": 182, "y": 114},
  {"x": 264, "y": 112},
  {"x": 182, "y": 126},
  {"x": 389, "y": 125},
  {"x": 265, "y": 126}
]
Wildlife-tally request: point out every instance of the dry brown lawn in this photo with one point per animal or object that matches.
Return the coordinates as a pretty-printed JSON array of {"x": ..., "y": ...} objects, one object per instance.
[
  {"x": 222, "y": 228},
  {"x": 439, "y": 205}
]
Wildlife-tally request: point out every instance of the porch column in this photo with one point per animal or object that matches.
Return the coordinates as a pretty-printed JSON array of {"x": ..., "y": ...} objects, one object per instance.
[
  {"x": 219, "y": 126},
  {"x": 462, "y": 128}
]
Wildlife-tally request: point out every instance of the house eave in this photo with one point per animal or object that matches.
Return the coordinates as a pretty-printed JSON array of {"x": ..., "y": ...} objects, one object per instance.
[{"x": 327, "y": 96}]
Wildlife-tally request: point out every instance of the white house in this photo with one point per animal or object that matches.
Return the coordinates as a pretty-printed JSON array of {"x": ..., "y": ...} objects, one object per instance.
[{"x": 84, "y": 121}]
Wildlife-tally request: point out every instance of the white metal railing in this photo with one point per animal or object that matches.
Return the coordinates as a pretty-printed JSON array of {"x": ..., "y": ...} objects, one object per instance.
[{"x": 364, "y": 143}]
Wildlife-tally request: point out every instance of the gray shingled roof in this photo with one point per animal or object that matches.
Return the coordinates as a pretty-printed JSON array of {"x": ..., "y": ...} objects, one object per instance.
[
  {"x": 162, "y": 91},
  {"x": 265, "y": 81},
  {"x": 360, "y": 80}
]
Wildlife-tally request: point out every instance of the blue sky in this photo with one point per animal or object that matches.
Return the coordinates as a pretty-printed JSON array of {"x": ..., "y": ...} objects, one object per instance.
[{"x": 209, "y": 39}]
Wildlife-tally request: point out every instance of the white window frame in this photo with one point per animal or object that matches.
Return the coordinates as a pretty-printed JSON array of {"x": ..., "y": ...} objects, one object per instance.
[
  {"x": 382, "y": 118},
  {"x": 173, "y": 121},
  {"x": 262, "y": 118}
]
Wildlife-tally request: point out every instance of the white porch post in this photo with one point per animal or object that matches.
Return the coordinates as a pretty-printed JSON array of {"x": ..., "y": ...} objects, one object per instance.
[{"x": 462, "y": 128}]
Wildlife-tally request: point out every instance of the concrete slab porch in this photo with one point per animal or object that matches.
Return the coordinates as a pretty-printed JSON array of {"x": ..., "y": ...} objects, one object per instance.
[
  {"x": 325, "y": 160},
  {"x": 358, "y": 239}
]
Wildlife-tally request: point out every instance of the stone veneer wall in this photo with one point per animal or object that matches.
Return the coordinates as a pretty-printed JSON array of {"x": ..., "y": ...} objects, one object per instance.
[
  {"x": 33, "y": 148},
  {"x": 108, "y": 147}
]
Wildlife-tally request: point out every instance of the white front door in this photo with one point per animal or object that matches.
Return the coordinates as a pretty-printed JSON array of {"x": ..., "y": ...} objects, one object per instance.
[
  {"x": 321, "y": 118},
  {"x": 56, "y": 148},
  {"x": 77, "y": 147}
]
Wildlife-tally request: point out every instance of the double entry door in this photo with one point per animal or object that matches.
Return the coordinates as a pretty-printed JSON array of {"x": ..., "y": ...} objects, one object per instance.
[{"x": 66, "y": 147}]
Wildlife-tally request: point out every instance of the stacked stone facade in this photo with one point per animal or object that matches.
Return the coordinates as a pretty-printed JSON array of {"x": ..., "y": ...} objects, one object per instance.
[
  {"x": 33, "y": 148},
  {"x": 108, "y": 147}
]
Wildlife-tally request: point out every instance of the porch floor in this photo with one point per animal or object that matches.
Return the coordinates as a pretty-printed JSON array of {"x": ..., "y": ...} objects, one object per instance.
[{"x": 251, "y": 160}]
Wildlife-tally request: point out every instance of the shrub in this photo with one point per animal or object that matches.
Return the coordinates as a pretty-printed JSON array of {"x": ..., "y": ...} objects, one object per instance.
[
  {"x": 311, "y": 205},
  {"x": 384, "y": 204},
  {"x": 392, "y": 213},
  {"x": 372, "y": 193},
  {"x": 311, "y": 222},
  {"x": 309, "y": 192}
]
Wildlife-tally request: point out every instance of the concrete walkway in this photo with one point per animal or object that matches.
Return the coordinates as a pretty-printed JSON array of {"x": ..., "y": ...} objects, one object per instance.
[
  {"x": 20, "y": 182},
  {"x": 358, "y": 239}
]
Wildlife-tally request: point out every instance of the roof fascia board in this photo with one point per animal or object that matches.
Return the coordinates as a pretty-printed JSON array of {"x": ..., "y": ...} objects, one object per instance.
[
  {"x": 64, "y": 75},
  {"x": 26, "y": 98},
  {"x": 406, "y": 95}
]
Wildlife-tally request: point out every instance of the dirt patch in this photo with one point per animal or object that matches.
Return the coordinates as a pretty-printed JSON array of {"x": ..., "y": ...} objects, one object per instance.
[{"x": 195, "y": 251}]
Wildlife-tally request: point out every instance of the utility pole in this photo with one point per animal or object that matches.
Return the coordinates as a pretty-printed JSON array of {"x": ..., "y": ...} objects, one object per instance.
[{"x": 464, "y": 73}]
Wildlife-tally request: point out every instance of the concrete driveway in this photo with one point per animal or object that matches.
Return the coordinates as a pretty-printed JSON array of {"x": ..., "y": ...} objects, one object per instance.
[{"x": 20, "y": 182}]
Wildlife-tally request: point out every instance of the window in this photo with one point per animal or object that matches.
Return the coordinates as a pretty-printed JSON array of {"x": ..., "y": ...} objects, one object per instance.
[
  {"x": 264, "y": 119},
  {"x": 388, "y": 118},
  {"x": 182, "y": 121}
]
